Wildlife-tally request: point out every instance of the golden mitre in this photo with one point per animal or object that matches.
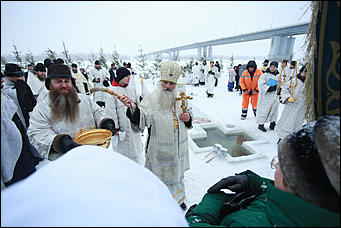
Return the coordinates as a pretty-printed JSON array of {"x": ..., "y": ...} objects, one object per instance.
[
  {"x": 99, "y": 137},
  {"x": 170, "y": 71}
]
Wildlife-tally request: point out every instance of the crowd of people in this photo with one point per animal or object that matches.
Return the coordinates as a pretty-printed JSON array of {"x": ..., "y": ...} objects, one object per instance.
[
  {"x": 43, "y": 107},
  {"x": 264, "y": 88}
]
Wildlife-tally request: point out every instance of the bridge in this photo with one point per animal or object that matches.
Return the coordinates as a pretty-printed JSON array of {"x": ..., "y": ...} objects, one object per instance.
[{"x": 282, "y": 42}]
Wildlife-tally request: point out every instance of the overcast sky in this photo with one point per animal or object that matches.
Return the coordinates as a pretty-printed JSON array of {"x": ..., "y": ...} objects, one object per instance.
[{"x": 86, "y": 26}]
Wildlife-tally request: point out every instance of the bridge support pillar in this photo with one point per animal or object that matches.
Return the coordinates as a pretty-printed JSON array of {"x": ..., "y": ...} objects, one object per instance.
[
  {"x": 204, "y": 52},
  {"x": 209, "y": 57},
  {"x": 199, "y": 53},
  {"x": 281, "y": 48}
]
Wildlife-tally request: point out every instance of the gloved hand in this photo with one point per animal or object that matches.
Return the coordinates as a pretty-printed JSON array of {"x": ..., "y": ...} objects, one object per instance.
[
  {"x": 110, "y": 125},
  {"x": 246, "y": 92},
  {"x": 210, "y": 72},
  {"x": 236, "y": 184},
  {"x": 272, "y": 88},
  {"x": 68, "y": 143},
  {"x": 105, "y": 83}
]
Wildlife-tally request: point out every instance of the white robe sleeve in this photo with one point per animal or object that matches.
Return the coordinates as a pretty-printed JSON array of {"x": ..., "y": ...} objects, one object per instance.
[{"x": 40, "y": 132}]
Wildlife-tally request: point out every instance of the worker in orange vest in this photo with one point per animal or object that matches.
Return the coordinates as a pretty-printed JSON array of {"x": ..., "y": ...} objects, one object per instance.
[{"x": 249, "y": 86}]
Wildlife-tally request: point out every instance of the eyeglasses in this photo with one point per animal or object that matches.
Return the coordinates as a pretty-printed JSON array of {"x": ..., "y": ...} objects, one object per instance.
[{"x": 274, "y": 162}]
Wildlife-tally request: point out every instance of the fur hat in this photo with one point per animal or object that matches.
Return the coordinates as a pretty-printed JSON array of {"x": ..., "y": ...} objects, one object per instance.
[
  {"x": 58, "y": 71},
  {"x": 40, "y": 67},
  {"x": 310, "y": 162},
  {"x": 121, "y": 73},
  {"x": 275, "y": 63},
  {"x": 170, "y": 71},
  {"x": 13, "y": 70}
]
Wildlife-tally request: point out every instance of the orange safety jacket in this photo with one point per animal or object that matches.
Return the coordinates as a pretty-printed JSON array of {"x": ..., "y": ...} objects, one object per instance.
[{"x": 246, "y": 83}]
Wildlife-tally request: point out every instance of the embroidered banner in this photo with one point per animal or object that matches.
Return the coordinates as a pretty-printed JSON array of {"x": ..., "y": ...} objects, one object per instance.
[{"x": 327, "y": 61}]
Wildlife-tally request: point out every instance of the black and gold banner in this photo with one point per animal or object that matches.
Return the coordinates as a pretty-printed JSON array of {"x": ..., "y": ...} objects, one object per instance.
[{"x": 327, "y": 60}]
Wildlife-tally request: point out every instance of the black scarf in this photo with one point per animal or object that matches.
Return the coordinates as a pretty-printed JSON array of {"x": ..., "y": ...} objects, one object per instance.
[{"x": 26, "y": 99}]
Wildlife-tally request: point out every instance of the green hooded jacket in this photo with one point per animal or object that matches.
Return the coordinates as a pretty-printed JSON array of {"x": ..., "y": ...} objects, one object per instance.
[{"x": 272, "y": 207}]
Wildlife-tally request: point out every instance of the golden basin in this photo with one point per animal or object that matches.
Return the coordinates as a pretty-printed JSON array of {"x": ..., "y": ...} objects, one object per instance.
[{"x": 99, "y": 137}]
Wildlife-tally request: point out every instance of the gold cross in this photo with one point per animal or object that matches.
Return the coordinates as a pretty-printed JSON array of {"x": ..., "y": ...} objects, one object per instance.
[{"x": 183, "y": 98}]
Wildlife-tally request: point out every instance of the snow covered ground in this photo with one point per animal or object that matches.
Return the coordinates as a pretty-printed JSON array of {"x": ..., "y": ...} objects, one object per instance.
[{"x": 224, "y": 109}]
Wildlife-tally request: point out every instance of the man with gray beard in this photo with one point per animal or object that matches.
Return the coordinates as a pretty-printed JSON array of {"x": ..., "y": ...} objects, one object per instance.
[
  {"x": 167, "y": 144},
  {"x": 55, "y": 119}
]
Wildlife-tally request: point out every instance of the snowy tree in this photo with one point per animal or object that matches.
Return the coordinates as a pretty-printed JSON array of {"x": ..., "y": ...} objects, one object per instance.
[
  {"x": 142, "y": 64},
  {"x": 115, "y": 57},
  {"x": 29, "y": 57},
  {"x": 92, "y": 58},
  {"x": 231, "y": 59},
  {"x": 3, "y": 62},
  {"x": 221, "y": 65},
  {"x": 16, "y": 54},
  {"x": 188, "y": 67},
  {"x": 51, "y": 54},
  {"x": 176, "y": 58},
  {"x": 66, "y": 53},
  {"x": 102, "y": 58},
  {"x": 157, "y": 64}
]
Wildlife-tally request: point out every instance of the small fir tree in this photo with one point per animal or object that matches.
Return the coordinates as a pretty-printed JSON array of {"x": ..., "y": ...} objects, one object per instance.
[
  {"x": 157, "y": 64},
  {"x": 66, "y": 53},
  {"x": 3, "y": 62},
  {"x": 92, "y": 58},
  {"x": 51, "y": 54},
  {"x": 221, "y": 65},
  {"x": 142, "y": 64},
  {"x": 231, "y": 59},
  {"x": 102, "y": 58},
  {"x": 176, "y": 58},
  {"x": 29, "y": 57},
  {"x": 115, "y": 57},
  {"x": 188, "y": 67},
  {"x": 16, "y": 54}
]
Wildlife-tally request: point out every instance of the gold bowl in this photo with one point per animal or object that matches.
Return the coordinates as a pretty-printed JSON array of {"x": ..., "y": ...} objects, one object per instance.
[{"x": 99, "y": 137}]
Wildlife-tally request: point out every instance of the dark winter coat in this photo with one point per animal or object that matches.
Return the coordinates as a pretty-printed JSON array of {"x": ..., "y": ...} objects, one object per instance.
[{"x": 273, "y": 207}]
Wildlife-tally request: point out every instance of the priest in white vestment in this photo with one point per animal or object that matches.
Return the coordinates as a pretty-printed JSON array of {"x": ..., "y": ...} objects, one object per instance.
[{"x": 167, "y": 145}]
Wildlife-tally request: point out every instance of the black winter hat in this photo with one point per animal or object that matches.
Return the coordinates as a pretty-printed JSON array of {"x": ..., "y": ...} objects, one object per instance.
[
  {"x": 59, "y": 61},
  {"x": 57, "y": 71},
  {"x": 121, "y": 73},
  {"x": 303, "y": 68},
  {"x": 310, "y": 161},
  {"x": 275, "y": 63},
  {"x": 97, "y": 62},
  {"x": 13, "y": 70},
  {"x": 251, "y": 63},
  {"x": 74, "y": 65},
  {"x": 47, "y": 63},
  {"x": 40, "y": 67}
]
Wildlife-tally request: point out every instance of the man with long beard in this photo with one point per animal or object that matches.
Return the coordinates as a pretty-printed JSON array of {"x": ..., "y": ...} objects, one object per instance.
[
  {"x": 167, "y": 144},
  {"x": 55, "y": 119}
]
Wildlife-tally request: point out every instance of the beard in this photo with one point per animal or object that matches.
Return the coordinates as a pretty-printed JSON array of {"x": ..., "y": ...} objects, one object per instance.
[
  {"x": 41, "y": 77},
  {"x": 164, "y": 99},
  {"x": 64, "y": 106}
]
